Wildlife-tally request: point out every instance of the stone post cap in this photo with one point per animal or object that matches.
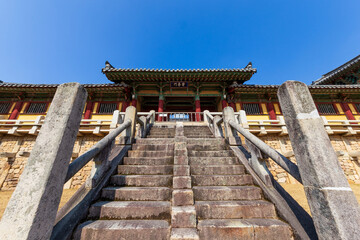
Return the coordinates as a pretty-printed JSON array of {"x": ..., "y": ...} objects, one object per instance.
[{"x": 298, "y": 94}]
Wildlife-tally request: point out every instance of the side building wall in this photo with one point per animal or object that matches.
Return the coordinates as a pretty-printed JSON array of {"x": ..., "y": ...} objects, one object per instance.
[{"x": 346, "y": 147}]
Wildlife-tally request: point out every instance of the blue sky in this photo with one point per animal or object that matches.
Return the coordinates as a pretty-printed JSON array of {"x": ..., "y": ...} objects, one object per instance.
[{"x": 66, "y": 41}]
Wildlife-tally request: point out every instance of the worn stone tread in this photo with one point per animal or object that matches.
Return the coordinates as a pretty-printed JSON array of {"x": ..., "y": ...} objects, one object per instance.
[
  {"x": 222, "y": 180},
  {"x": 226, "y": 193},
  {"x": 136, "y": 193},
  {"x": 130, "y": 210},
  {"x": 148, "y": 160},
  {"x": 234, "y": 209},
  {"x": 269, "y": 229},
  {"x": 213, "y": 160},
  {"x": 142, "y": 180},
  {"x": 123, "y": 229},
  {"x": 145, "y": 169},
  {"x": 217, "y": 169}
]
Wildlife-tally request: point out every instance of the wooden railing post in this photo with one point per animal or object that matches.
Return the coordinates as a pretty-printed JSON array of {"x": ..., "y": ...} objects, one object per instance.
[
  {"x": 230, "y": 134},
  {"x": 332, "y": 203},
  {"x": 31, "y": 211}
]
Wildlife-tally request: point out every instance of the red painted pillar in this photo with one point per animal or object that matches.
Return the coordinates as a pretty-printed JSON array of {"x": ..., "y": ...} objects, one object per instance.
[
  {"x": 271, "y": 111},
  {"x": 134, "y": 102},
  {"x": 15, "y": 113},
  {"x": 161, "y": 107},
  {"x": 88, "y": 110},
  {"x": 347, "y": 111},
  {"x": 197, "y": 108},
  {"x": 232, "y": 104},
  {"x": 224, "y": 103},
  {"x": 125, "y": 104}
]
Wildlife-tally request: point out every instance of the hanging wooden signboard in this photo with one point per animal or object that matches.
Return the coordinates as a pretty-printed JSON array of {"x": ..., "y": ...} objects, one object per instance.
[{"x": 179, "y": 84}]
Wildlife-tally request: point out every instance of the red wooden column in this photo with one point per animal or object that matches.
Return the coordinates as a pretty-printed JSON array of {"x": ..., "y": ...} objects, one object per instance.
[
  {"x": 347, "y": 111},
  {"x": 125, "y": 104},
  {"x": 232, "y": 104},
  {"x": 161, "y": 107},
  {"x": 15, "y": 113},
  {"x": 271, "y": 111},
  {"x": 88, "y": 110},
  {"x": 134, "y": 101},
  {"x": 197, "y": 108},
  {"x": 224, "y": 103}
]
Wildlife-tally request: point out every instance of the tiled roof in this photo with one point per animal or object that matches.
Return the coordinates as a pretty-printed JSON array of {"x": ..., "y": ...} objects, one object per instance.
[
  {"x": 338, "y": 72},
  {"x": 142, "y": 74}
]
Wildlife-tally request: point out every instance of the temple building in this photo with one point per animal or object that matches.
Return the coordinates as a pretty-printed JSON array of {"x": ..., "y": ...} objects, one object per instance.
[{"x": 182, "y": 95}]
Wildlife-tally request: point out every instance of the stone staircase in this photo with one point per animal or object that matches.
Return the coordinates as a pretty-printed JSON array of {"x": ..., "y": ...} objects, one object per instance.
[{"x": 139, "y": 201}]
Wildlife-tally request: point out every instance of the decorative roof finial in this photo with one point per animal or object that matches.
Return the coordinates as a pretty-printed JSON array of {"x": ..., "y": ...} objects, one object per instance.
[
  {"x": 108, "y": 65},
  {"x": 249, "y": 65}
]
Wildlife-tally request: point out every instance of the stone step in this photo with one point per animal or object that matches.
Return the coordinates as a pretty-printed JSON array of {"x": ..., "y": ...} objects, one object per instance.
[
  {"x": 210, "y": 141},
  {"x": 148, "y": 161},
  {"x": 234, "y": 209},
  {"x": 222, "y": 153},
  {"x": 142, "y": 180},
  {"x": 199, "y": 136},
  {"x": 213, "y": 160},
  {"x": 160, "y": 136},
  {"x": 123, "y": 229},
  {"x": 216, "y": 229},
  {"x": 216, "y": 169},
  {"x": 145, "y": 170},
  {"x": 137, "y": 153},
  {"x": 136, "y": 193},
  {"x": 130, "y": 210},
  {"x": 207, "y": 147},
  {"x": 219, "y": 193},
  {"x": 158, "y": 141},
  {"x": 221, "y": 180},
  {"x": 162, "y": 131},
  {"x": 153, "y": 147}
]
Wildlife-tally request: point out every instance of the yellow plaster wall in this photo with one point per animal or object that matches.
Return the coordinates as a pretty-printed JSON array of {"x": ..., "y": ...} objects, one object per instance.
[
  {"x": 257, "y": 117},
  {"x": 238, "y": 107},
  {"x": 95, "y": 107},
  {"x": 101, "y": 117},
  {"x": 29, "y": 116},
  {"x": 335, "y": 117}
]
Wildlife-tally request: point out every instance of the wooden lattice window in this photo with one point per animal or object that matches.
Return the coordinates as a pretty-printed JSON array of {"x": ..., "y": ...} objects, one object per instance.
[
  {"x": 251, "y": 108},
  {"x": 107, "y": 107},
  {"x": 37, "y": 108},
  {"x": 326, "y": 108},
  {"x": 4, "y": 107}
]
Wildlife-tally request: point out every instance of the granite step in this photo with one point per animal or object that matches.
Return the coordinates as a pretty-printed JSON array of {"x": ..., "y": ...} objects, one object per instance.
[
  {"x": 199, "y": 141},
  {"x": 234, "y": 209},
  {"x": 216, "y": 169},
  {"x": 215, "y": 229},
  {"x": 145, "y": 169},
  {"x": 207, "y": 147},
  {"x": 221, "y": 153},
  {"x": 213, "y": 160},
  {"x": 160, "y": 136},
  {"x": 130, "y": 210},
  {"x": 137, "y": 153},
  {"x": 226, "y": 193},
  {"x": 199, "y": 136},
  {"x": 153, "y": 147},
  {"x": 123, "y": 229},
  {"x": 142, "y": 180},
  {"x": 148, "y": 160},
  {"x": 136, "y": 193},
  {"x": 221, "y": 180},
  {"x": 154, "y": 141}
]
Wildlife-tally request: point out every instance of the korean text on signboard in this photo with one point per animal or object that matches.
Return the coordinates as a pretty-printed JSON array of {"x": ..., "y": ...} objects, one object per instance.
[{"x": 179, "y": 84}]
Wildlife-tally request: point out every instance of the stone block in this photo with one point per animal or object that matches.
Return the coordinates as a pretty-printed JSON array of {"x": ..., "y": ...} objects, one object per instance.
[
  {"x": 183, "y": 217},
  {"x": 181, "y": 160},
  {"x": 181, "y": 170},
  {"x": 184, "y": 234},
  {"x": 182, "y": 182},
  {"x": 182, "y": 197}
]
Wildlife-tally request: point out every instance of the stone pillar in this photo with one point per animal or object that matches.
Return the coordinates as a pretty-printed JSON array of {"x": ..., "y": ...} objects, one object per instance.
[
  {"x": 31, "y": 211},
  {"x": 88, "y": 110},
  {"x": 161, "y": 107},
  {"x": 347, "y": 111},
  {"x": 333, "y": 205},
  {"x": 15, "y": 113},
  {"x": 197, "y": 108},
  {"x": 230, "y": 134},
  {"x": 271, "y": 110}
]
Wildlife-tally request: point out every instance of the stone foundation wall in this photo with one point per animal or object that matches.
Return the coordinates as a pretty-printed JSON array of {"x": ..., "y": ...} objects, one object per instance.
[
  {"x": 346, "y": 148},
  {"x": 15, "y": 150}
]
